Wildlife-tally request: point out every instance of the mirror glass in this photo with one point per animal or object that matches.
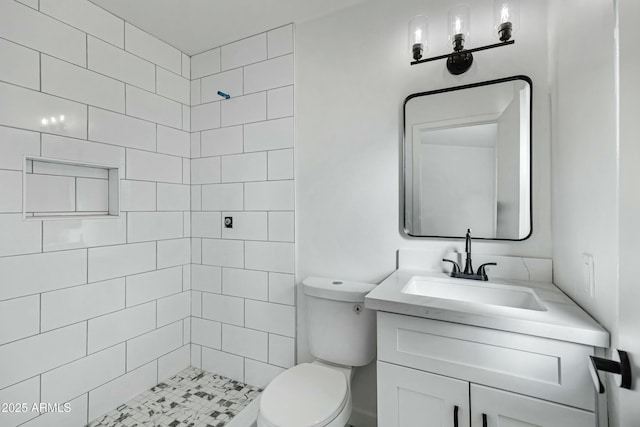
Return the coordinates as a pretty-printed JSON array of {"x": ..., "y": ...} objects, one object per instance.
[{"x": 467, "y": 161}]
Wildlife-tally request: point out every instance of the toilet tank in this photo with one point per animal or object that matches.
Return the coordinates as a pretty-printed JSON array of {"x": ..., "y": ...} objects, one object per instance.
[{"x": 340, "y": 330}]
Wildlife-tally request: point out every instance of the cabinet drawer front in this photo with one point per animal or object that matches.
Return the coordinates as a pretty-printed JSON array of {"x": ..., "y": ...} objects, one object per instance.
[
  {"x": 540, "y": 367},
  {"x": 502, "y": 408},
  {"x": 411, "y": 398}
]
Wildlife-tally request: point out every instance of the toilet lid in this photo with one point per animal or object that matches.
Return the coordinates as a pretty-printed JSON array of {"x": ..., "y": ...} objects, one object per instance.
[{"x": 306, "y": 395}]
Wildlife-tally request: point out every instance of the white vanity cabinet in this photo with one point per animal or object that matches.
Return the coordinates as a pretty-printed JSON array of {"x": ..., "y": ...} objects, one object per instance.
[{"x": 427, "y": 368}]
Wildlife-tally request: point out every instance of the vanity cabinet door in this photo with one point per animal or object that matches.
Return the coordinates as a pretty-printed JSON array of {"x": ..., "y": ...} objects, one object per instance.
[
  {"x": 411, "y": 398},
  {"x": 496, "y": 408}
]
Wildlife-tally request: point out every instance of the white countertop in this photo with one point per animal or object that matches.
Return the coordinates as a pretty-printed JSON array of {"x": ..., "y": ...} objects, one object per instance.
[{"x": 563, "y": 320}]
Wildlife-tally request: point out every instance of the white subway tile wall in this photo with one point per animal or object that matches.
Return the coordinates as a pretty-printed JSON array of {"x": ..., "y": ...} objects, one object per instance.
[
  {"x": 242, "y": 302},
  {"x": 93, "y": 311}
]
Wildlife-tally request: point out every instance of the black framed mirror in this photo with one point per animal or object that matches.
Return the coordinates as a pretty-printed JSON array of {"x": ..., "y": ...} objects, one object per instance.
[{"x": 467, "y": 161}]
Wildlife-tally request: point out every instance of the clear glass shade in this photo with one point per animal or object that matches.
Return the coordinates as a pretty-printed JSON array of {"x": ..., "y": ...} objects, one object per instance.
[
  {"x": 505, "y": 11},
  {"x": 418, "y": 29},
  {"x": 459, "y": 23}
]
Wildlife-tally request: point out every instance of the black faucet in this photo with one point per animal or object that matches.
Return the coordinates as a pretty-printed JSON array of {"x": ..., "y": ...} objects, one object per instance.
[{"x": 468, "y": 267}]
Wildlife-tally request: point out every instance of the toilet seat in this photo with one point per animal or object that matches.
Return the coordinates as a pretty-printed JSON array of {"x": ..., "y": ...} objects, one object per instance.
[{"x": 307, "y": 395}]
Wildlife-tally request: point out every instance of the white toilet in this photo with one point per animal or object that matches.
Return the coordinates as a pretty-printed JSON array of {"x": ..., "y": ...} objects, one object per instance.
[{"x": 341, "y": 337}]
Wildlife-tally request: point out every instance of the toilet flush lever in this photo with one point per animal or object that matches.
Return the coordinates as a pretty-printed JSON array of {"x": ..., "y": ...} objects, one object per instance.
[{"x": 620, "y": 367}]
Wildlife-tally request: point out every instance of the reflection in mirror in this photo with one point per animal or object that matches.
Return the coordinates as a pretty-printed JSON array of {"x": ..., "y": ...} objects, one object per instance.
[{"x": 467, "y": 161}]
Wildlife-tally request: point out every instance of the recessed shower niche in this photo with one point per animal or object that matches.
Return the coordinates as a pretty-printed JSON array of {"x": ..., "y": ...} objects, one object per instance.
[{"x": 63, "y": 189}]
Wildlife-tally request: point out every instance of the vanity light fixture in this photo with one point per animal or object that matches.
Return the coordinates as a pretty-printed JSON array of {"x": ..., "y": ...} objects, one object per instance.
[{"x": 506, "y": 15}]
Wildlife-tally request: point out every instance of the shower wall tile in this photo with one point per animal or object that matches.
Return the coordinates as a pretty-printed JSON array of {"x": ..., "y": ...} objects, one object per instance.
[
  {"x": 243, "y": 52},
  {"x": 244, "y": 109},
  {"x": 152, "y": 49},
  {"x": 173, "y": 86},
  {"x": 229, "y": 82},
  {"x": 221, "y": 141},
  {"x": 148, "y": 106},
  {"x": 23, "y": 359},
  {"x": 137, "y": 195},
  {"x": 206, "y": 332},
  {"x": 121, "y": 389},
  {"x": 205, "y": 170},
  {"x": 276, "y": 318},
  {"x": 11, "y": 184},
  {"x": 280, "y": 102},
  {"x": 173, "y": 141},
  {"x": 280, "y": 41},
  {"x": 68, "y": 381},
  {"x": 79, "y": 84},
  {"x": 72, "y": 305},
  {"x": 24, "y": 108},
  {"x": 25, "y": 392},
  {"x": 281, "y": 351},
  {"x": 186, "y": 66},
  {"x": 244, "y": 342},
  {"x": 117, "y": 129},
  {"x": 174, "y": 197},
  {"x": 282, "y": 288},
  {"x": 36, "y": 29},
  {"x": 223, "y": 308},
  {"x": 224, "y": 253},
  {"x": 80, "y": 150},
  {"x": 23, "y": 68},
  {"x": 148, "y": 347},
  {"x": 74, "y": 289},
  {"x": 205, "y": 63},
  {"x": 82, "y": 233},
  {"x": 243, "y": 167},
  {"x": 87, "y": 17},
  {"x": 269, "y": 135},
  {"x": 226, "y": 364},
  {"x": 174, "y": 252},
  {"x": 269, "y": 256},
  {"x": 33, "y": 274},
  {"x": 260, "y": 374},
  {"x": 121, "y": 260},
  {"x": 222, "y": 197},
  {"x": 106, "y": 331},
  {"x": 245, "y": 283},
  {"x": 146, "y": 166},
  {"x": 205, "y": 116},
  {"x": 154, "y": 285},
  {"x": 173, "y": 308},
  {"x": 269, "y": 74},
  {"x": 19, "y": 318},
  {"x": 75, "y": 417},
  {"x": 15, "y": 144},
  {"x": 176, "y": 360},
  {"x": 107, "y": 59}
]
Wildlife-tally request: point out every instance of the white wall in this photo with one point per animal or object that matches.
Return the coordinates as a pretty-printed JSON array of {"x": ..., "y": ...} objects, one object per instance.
[
  {"x": 352, "y": 75},
  {"x": 243, "y": 323},
  {"x": 92, "y": 311}
]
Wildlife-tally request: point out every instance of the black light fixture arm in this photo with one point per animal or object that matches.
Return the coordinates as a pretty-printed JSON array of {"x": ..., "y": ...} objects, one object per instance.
[{"x": 476, "y": 49}]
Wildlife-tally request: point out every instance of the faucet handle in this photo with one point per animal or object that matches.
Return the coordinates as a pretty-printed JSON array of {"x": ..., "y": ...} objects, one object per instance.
[
  {"x": 481, "y": 271},
  {"x": 456, "y": 267}
]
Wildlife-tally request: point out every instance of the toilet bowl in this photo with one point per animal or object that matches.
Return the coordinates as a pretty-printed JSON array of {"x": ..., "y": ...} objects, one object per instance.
[{"x": 342, "y": 336}]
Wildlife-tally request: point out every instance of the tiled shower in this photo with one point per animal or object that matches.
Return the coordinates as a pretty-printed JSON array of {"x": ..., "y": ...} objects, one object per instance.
[{"x": 103, "y": 297}]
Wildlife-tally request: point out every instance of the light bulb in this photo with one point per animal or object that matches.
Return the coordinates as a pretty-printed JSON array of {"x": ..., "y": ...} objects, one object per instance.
[
  {"x": 418, "y": 29},
  {"x": 459, "y": 23},
  {"x": 62, "y": 118},
  {"x": 44, "y": 122},
  {"x": 53, "y": 120},
  {"x": 507, "y": 17}
]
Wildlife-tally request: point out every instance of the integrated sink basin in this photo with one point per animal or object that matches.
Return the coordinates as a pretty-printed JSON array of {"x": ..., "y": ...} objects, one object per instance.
[{"x": 474, "y": 291}]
